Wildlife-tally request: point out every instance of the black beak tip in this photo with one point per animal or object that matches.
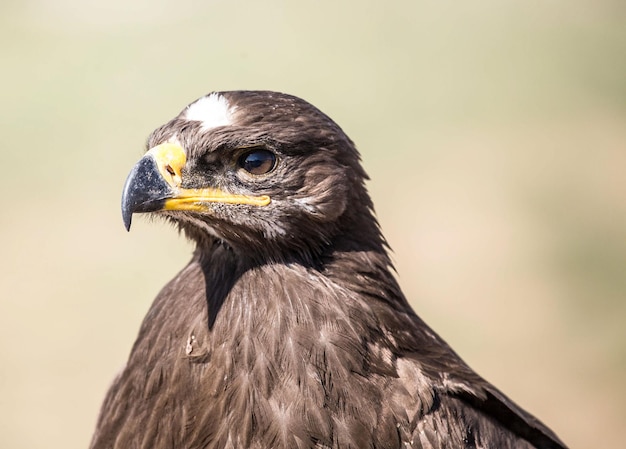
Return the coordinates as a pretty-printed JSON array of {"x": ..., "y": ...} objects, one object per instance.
[
  {"x": 127, "y": 216},
  {"x": 144, "y": 191},
  {"x": 128, "y": 198}
]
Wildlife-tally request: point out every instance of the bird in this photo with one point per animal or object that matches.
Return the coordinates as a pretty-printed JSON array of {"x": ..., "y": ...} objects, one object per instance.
[{"x": 288, "y": 327}]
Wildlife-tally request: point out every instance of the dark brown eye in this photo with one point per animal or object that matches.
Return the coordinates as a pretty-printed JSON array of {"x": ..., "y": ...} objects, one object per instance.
[{"x": 257, "y": 162}]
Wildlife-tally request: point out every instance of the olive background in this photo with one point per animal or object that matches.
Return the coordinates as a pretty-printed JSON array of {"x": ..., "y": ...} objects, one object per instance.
[{"x": 494, "y": 133}]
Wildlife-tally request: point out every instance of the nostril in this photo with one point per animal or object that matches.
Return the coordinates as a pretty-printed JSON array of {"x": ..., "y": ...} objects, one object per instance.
[{"x": 170, "y": 170}]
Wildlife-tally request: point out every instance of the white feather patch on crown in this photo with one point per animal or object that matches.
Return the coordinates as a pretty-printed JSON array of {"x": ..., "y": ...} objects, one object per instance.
[{"x": 212, "y": 110}]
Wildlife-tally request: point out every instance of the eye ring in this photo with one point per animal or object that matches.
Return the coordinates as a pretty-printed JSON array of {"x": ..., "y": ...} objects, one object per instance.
[{"x": 257, "y": 161}]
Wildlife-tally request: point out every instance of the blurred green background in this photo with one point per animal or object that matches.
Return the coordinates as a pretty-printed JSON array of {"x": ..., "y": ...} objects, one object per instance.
[{"x": 494, "y": 133}]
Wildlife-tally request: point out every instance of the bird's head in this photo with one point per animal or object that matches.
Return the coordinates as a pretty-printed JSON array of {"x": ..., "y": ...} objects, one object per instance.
[{"x": 264, "y": 172}]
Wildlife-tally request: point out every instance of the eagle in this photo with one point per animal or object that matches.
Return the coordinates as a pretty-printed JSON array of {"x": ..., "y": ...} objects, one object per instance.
[{"x": 287, "y": 329}]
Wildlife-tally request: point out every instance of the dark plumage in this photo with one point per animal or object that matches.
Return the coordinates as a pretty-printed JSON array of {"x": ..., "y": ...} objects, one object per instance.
[{"x": 287, "y": 329}]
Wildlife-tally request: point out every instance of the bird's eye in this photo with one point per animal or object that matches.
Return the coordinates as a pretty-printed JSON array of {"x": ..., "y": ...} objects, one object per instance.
[{"x": 257, "y": 162}]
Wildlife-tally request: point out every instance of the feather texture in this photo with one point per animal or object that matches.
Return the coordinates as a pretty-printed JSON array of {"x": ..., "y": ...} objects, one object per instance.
[{"x": 288, "y": 329}]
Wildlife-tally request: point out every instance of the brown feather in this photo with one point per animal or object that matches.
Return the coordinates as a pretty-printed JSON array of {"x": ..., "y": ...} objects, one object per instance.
[{"x": 288, "y": 329}]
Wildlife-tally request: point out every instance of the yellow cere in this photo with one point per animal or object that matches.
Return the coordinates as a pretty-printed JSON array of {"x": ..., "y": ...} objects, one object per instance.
[{"x": 170, "y": 159}]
